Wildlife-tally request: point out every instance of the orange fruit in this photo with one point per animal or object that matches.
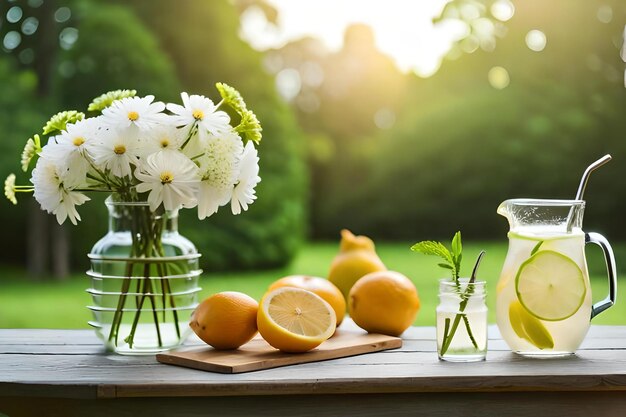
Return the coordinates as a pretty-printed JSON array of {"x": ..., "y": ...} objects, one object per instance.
[
  {"x": 295, "y": 320},
  {"x": 357, "y": 257},
  {"x": 320, "y": 286},
  {"x": 384, "y": 302},
  {"x": 225, "y": 320}
]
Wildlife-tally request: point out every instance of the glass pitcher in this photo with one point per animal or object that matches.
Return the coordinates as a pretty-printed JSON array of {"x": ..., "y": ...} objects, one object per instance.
[{"x": 544, "y": 303}]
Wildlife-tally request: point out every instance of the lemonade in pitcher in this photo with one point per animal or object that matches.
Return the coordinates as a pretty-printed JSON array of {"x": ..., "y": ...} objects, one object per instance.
[{"x": 544, "y": 301}]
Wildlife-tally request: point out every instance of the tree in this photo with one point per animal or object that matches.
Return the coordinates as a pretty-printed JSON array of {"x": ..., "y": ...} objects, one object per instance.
[
  {"x": 465, "y": 141},
  {"x": 201, "y": 39},
  {"x": 97, "y": 61},
  {"x": 343, "y": 101},
  {"x": 33, "y": 32}
]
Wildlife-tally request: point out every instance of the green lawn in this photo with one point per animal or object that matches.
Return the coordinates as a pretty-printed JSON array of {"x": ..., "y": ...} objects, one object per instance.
[{"x": 28, "y": 304}]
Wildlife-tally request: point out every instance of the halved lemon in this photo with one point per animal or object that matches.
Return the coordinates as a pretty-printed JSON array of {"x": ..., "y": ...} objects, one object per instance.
[
  {"x": 295, "y": 320},
  {"x": 528, "y": 327},
  {"x": 550, "y": 286}
]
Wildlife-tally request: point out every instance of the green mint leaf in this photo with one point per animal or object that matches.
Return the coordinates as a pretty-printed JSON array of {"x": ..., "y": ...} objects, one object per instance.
[
  {"x": 457, "y": 249},
  {"x": 429, "y": 247},
  {"x": 536, "y": 248}
]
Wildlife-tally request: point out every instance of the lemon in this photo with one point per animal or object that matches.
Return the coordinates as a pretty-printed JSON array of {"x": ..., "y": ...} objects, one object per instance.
[
  {"x": 550, "y": 286},
  {"x": 528, "y": 327},
  {"x": 384, "y": 302},
  {"x": 295, "y": 320},
  {"x": 320, "y": 286},
  {"x": 226, "y": 320},
  {"x": 357, "y": 257}
]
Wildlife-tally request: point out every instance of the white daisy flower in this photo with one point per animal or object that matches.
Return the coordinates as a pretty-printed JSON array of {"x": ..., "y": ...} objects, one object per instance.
[
  {"x": 135, "y": 112},
  {"x": 200, "y": 110},
  {"x": 244, "y": 192},
  {"x": 162, "y": 138},
  {"x": 74, "y": 148},
  {"x": 116, "y": 153},
  {"x": 53, "y": 195},
  {"x": 220, "y": 167},
  {"x": 171, "y": 178},
  {"x": 210, "y": 198}
]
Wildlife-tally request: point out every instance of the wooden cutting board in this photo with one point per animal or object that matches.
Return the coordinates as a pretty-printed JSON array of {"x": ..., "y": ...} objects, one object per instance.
[{"x": 258, "y": 354}]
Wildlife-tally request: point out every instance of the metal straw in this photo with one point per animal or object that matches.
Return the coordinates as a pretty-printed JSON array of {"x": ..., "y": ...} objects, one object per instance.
[
  {"x": 583, "y": 184},
  {"x": 583, "y": 181}
]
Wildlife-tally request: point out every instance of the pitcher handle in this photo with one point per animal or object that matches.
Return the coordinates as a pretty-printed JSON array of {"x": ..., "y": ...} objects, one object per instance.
[{"x": 609, "y": 258}]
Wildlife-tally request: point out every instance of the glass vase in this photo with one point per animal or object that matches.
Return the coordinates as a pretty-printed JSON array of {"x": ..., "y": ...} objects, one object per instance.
[
  {"x": 144, "y": 280},
  {"x": 461, "y": 321}
]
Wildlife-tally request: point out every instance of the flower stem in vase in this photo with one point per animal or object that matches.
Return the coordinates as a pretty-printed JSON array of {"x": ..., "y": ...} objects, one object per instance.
[
  {"x": 119, "y": 311},
  {"x": 167, "y": 290},
  {"x": 131, "y": 336},
  {"x": 150, "y": 294}
]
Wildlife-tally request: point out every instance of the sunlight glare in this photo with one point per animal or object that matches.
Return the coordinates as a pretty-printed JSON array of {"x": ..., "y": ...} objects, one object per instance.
[
  {"x": 605, "y": 13},
  {"x": 502, "y": 10},
  {"x": 498, "y": 77},
  {"x": 536, "y": 40},
  {"x": 403, "y": 29},
  {"x": 288, "y": 83}
]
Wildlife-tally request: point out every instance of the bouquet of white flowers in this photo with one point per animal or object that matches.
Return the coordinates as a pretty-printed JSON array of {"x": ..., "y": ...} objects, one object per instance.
[
  {"x": 187, "y": 156},
  {"x": 156, "y": 157}
]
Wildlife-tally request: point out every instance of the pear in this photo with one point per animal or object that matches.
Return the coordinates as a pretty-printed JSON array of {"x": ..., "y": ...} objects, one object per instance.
[{"x": 357, "y": 257}]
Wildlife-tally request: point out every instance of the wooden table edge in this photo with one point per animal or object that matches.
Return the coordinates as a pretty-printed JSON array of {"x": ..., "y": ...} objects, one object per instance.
[{"x": 527, "y": 383}]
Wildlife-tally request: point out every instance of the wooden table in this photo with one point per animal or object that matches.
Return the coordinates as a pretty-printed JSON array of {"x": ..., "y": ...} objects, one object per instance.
[{"x": 67, "y": 373}]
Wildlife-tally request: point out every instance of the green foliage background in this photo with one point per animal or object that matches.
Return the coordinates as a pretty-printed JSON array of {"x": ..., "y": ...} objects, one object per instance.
[
  {"x": 162, "y": 48},
  {"x": 455, "y": 149},
  {"x": 459, "y": 146},
  {"x": 20, "y": 111}
]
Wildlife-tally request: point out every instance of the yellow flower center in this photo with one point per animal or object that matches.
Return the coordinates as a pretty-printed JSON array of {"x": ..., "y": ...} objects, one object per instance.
[
  {"x": 119, "y": 149},
  {"x": 79, "y": 141},
  {"x": 198, "y": 114},
  {"x": 133, "y": 115},
  {"x": 165, "y": 142},
  {"x": 166, "y": 177}
]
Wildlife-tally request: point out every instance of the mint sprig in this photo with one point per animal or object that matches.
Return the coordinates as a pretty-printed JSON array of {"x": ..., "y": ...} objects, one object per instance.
[
  {"x": 451, "y": 257},
  {"x": 452, "y": 261}
]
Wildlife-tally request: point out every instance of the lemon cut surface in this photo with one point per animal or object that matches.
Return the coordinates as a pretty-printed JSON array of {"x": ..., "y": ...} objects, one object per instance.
[
  {"x": 295, "y": 320},
  {"x": 550, "y": 286}
]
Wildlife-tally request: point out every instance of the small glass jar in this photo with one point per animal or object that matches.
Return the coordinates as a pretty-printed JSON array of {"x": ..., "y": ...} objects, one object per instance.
[{"x": 461, "y": 321}]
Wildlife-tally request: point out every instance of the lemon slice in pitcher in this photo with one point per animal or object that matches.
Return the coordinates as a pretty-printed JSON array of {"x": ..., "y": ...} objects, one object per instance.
[
  {"x": 528, "y": 327},
  {"x": 550, "y": 286}
]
